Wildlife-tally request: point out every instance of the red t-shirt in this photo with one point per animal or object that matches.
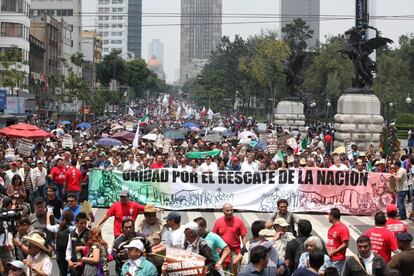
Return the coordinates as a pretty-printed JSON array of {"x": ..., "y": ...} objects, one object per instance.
[
  {"x": 73, "y": 177},
  {"x": 396, "y": 226},
  {"x": 122, "y": 211},
  {"x": 337, "y": 235},
  {"x": 328, "y": 138},
  {"x": 58, "y": 174},
  {"x": 157, "y": 165},
  {"x": 383, "y": 242},
  {"x": 230, "y": 231}
]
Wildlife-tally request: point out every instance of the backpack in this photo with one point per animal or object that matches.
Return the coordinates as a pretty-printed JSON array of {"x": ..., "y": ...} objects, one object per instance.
[{"x": 301, "y": 249}]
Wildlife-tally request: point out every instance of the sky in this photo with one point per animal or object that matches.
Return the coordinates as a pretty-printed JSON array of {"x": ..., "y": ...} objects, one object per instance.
[{"x": 170, "y": 35}]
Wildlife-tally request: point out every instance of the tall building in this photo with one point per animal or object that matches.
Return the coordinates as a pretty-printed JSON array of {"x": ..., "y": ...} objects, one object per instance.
[
  {"x": 308, "y": 10},
  {"x": 200, "y": 34},
  {"x": 69, "y": 11},
  {"x": 120, "y": 25},
  {"x": 15, "y": 24},
  {"x": 156, "y": 48}
]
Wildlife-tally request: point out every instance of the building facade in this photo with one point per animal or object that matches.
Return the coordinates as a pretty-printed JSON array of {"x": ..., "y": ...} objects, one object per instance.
[
  {"x": 308, "y": 10},
  {"x": 156, "y": 48},
  {"x": 69, "y": 11},
  {"x": 200, "y": 34},
  {"x": 15, "y": 24},
  {"x": 155, "y": 65},
  {"x": 92, "y": 51},
  {"x": 120, "y": 25}
]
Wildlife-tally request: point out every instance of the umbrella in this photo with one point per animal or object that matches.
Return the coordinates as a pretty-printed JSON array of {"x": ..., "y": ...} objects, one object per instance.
[
  {"x": 196, "y": 129},
  {"x": 219, "y": 129},
  {"x": 109, "y": 142},
  {"x": 84, "y": 125},
  {"x": 174, "y": 135},
  {"x": 124, "y": 136},
  {"x": 258, "y": 145},
  {"x": 247, "y": 134},
  {"x": 190, "y": 124},
  {"x": 24, "y": 131},
  {"x": 213, "y": 138},
  {"x": 228, "y": 134},
  {"x": 150, "y": 136},
  {"x": 116, "y": 127},
  {"x": 65, "y": 123}
]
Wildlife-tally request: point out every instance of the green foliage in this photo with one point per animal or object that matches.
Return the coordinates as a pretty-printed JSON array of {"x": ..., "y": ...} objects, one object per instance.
[
  {"x": 111, "y": 67},
  {"x": 405, "y": 119},
  {"x": 12, "y": 68},
  {"x": 296, "y": 33}
]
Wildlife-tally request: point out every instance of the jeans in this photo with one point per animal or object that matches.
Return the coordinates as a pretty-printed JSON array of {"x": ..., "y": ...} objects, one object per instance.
[
  {"x": 338, "y": 265},
  {"x": 400, "y": 204}
]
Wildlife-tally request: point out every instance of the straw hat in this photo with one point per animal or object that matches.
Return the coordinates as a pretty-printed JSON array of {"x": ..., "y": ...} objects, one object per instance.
[
  {"x": 149, "y": 208},
  {"x": 37, "y": 240}
]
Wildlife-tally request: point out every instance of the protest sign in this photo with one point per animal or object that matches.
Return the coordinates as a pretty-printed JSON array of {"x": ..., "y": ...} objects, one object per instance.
[
  {"x": 319, "y": 190},
  {"x": 25, "y": 147},
  {"x": 67, "y": 141},
  {"x": 182, "y": 262}
]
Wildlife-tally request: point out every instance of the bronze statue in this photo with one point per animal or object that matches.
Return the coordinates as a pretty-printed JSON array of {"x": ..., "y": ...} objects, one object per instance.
[
  {"x": 358, "y": 49},
  {"x": 292, "y": 68}
]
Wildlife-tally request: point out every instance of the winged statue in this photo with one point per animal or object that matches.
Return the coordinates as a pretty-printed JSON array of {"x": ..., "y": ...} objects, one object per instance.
[{"x": 358, "y": 49}]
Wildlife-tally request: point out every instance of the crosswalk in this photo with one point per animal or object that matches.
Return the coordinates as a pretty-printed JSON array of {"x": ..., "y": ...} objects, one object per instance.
[{"x": 357, "y": 224}]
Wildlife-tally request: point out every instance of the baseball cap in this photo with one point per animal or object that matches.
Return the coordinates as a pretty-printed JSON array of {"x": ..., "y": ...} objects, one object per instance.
[
  {"x": 18, "y": 264},
  {"x": 234, "y": 158},
  {"x": 124, "y": 193},
  {"x": 39, "y": 161},
  {"x": 173, "y": 216},
  {"x": 392, "y": 208},
  {"x": 192, "y": 226},
  {"x": 13, "y": 164},
  {"x": 268, "y": 234},
  {"x": 405, "y": 236},
  {"x": 281, "y": 222},
  {"x": 135, "y": 244}
]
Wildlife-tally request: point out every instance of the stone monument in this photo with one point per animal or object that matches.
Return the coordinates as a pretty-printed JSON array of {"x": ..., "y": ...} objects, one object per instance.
[
  {"x": 358, "y": 119},
  {"x": 289, "y": 113}
]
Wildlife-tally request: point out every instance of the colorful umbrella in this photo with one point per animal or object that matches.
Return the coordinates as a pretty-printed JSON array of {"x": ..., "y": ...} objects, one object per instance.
[
  {"x": 174, "y": 135},
  {"x": 150, "y": 136},
  {"x": 109, "y": 142},
  {"x": 247, "y": 134},
  {"x": 219, "y": 129},
  {"x": 124, "y": 136},
  {"x": 24, "y": 131},
  {"x": 190, "y": 124},
  {"x": 84, "y": 125},
  {"x": 65, "y": 123}
]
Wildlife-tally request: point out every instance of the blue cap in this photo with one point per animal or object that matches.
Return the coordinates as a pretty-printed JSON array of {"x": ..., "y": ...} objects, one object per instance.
[
  {"x": 404, "y": 236},
  {"x": 175, "y": 216}
]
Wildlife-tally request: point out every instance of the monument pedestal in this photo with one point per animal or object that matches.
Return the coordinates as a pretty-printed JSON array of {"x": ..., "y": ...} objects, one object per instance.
[
  {"x": 358, "y": 120},
  {"x": 290, "y": 113}
]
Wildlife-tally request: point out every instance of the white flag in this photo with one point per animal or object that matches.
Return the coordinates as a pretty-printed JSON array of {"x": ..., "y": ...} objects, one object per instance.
[
  {"x": 130, "y": 112},
  {"x": 136, "y": 138}
]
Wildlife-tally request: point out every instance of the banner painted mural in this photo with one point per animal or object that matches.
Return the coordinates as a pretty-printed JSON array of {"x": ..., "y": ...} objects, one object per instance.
[{"x": 312, "y": 190}]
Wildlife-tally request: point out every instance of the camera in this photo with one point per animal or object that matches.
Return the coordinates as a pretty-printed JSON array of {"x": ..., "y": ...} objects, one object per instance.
[{"x": 9, "y": 215}]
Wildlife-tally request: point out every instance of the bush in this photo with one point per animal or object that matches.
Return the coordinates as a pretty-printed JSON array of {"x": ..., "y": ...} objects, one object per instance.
[{"x": 405, "y": 119}]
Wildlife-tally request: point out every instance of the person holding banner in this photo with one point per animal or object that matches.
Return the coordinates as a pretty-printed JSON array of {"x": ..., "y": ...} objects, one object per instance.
[{"x": 195, "y": 243}]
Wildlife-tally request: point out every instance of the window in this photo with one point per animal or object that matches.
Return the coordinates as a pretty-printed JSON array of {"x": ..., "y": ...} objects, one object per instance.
[
  {"x": 105, "y": 42},
  {"x": 14, "y": 30}
]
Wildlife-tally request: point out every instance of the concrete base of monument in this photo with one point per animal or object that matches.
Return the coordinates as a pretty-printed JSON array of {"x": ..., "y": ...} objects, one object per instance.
[
  {"x": 358, "y": 120},
  {"x": 290, "y": 114}
]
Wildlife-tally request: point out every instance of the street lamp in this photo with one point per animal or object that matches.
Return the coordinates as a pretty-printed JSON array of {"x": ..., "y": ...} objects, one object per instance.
[
  {"x": 408, "y": 101},
  {"x": 328, "y": 105},
  {"x": 389, "y": 106},
  {"x": 312, "y": 105}
]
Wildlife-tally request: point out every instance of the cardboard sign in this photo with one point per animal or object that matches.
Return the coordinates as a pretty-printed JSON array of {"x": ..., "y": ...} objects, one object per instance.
[
  {"x": 25, "y": 147},
  {"x": 182, "y": 262},
  {"x": 67, "y": 141}
]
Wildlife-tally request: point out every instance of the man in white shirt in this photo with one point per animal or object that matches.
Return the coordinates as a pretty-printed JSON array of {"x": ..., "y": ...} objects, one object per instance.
[
  {"x": 338, "y": 166},
  {"x": 183, "y": 165},
  {"x": 208, "y": 165},
  {"x": 173, "y": 234},
  {"x": 10, "y": 173},
  {"x": 402, "y": 189},
  {"x": 39, "y": 175},
  {"x": 250, "y": 165},
  {"x": 38, "y": 261},
  {"x": 131, "y": 164}
]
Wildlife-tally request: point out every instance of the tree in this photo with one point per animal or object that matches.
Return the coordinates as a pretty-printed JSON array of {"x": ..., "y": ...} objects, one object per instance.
[
  {"x": 296, "y": 33},
  {"x": 12, "y": 63},
  {"x": 76, "y": 85},
  {"x": 138, "y": 77},
  {"x": 111, "y": 67}
]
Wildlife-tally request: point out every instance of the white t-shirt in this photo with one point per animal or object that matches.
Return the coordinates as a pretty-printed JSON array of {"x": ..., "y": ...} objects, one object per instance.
[
  {"x": 249, "y": 167},
  {"x": 128, "y": 166},
  {"x": 176, "y": 237},
  {"x": 208, "y": 168},
  {"x": 342, "y": 167}
]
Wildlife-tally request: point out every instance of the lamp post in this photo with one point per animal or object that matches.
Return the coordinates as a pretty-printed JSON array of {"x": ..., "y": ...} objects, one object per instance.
[
  {"x": 328, "y": 105},
  {"x": 408, "y": 101},
  {"x": 312, "y": 105},
  {"x": 389, "y": 106}
]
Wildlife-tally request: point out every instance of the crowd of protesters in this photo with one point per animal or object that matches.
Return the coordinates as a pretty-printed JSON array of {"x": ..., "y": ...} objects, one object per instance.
[{"x": 49, "y": 192}]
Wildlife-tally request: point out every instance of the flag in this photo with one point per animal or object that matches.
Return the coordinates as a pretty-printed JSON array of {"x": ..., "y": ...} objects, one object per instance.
[
  {"x": 130, "y": 112},
  {"x": 279, "y": 156},
  {"x": 303, "y": 144},
  {"x": 143, "y": 121},
  {"x": 210, "y": 114}
]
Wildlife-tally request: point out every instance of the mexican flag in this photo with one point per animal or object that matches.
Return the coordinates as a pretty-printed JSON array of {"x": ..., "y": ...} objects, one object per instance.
[
  {"x": 144, "y": 120},
  {"x": 279, "y": 156}
]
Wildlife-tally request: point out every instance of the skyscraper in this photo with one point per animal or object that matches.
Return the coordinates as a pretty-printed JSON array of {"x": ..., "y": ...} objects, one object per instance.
[
  {"x": 200, "y": 34},
  {"x": 308, "y": 10},
  {"x": 156, "y": 48},
  {"x": 120, "y": 25}
]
